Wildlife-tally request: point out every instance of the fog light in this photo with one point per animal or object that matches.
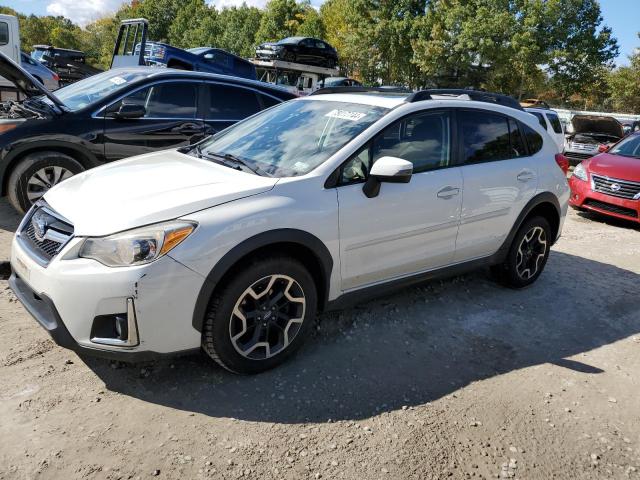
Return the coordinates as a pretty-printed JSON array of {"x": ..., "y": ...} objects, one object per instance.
[{"x": 118, "y": 329}]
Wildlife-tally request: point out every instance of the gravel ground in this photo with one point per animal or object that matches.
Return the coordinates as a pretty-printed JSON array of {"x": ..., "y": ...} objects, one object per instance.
[{"x": 452, "y": 379}]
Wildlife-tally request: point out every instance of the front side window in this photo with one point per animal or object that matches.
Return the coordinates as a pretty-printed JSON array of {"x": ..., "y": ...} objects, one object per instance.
[
  {"x": 165, "y": 100},
  {"x": 554, "y": 120},
  {"x": 4, "y": 33},
  {"x": 231, "y": 103},
  {"x": 485, "y": 136},
  {"x": 294, "y": 137},
  {"x": 629, "y": 147},
  {"x": 422, "y": 139}
]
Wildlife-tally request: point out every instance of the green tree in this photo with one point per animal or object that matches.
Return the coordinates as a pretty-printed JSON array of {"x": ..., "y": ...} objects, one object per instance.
[
  {"x": 238, "y": 27},
  {"x": 281, "y": 18},
  {"x": 624, "y": 84},
  {"x": 188, "y": 29}
]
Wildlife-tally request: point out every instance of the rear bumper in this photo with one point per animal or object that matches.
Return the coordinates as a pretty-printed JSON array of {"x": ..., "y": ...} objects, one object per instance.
[{"x": 582, "y": 197}]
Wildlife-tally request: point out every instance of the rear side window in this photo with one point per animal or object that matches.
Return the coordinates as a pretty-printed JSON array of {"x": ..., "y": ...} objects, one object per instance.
[
  {"x": 555, "y": 122},
  {"x": 485, "y": 136},
  {"x": 231, "y": 103},
  {"x": 534, "y": 140},
  {"x": 4, "y": 33},
  {"x": 541, "y": 119}
]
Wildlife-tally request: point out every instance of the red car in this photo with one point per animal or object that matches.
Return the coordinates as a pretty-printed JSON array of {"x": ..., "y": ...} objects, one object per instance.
[{"x": 609, "y": 183}]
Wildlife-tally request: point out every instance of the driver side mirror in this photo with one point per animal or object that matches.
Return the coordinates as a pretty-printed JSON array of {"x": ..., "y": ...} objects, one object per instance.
[
  {"x": 130, "y": 111},
  {"x": 387, "y": 169}
]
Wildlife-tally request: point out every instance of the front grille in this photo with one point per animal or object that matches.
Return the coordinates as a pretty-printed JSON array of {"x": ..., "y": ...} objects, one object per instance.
[
  {"x": 590, "y": 202},
  {"x": 585, "y": 147},
  {"x": 44, "y": 234},
  {"x": 616, "y": 187},
  {"x": 578, "y": 155}
]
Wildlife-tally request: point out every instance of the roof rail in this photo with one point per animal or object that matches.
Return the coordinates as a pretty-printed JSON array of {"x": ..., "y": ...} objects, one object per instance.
[
  {"x": 476, "y": 95},
  {"x": 328, "y": 90}
]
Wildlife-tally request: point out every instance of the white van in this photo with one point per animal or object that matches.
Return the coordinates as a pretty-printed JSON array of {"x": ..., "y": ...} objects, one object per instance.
[{"x": 9, "y": 46}]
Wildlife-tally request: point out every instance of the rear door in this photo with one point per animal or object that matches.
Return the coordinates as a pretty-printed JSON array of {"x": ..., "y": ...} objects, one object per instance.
[
  {"x": 500, "y": 177},
  {"x": 171, "y": 120},
  {"x": 226, "y": 104}
]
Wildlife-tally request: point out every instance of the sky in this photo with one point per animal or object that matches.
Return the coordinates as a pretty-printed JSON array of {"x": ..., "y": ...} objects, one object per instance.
[{"x": 623, "y": 16}]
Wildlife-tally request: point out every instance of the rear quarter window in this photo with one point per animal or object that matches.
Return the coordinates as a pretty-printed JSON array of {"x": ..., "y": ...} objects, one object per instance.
[
  {"x": 555, "y": 122},
  {"x": 534, "y": 139}
]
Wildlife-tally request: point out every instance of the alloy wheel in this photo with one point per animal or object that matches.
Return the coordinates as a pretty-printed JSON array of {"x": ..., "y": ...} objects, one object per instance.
[
  {"x": 531, "y": 252},
  {"x": 267, "y": 317},
  {"x": 45, "y": 178}
]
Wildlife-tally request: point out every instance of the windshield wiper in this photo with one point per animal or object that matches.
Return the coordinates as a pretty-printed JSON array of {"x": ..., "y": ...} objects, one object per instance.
[{"x": 240, "y": 162}]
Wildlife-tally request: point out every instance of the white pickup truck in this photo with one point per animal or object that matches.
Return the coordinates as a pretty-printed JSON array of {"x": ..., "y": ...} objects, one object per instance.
[{"x": 10, "y": 46}]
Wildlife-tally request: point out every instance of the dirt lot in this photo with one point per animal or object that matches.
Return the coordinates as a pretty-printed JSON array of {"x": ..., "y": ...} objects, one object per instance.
[{"x": 457, "y": 379}]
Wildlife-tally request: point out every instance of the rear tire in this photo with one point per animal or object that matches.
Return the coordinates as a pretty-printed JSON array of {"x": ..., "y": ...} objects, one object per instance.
[
  {"x": 527, "y": 255},
  {"x": 35, "y": 174},
  {"x": 261, "y": 316}
]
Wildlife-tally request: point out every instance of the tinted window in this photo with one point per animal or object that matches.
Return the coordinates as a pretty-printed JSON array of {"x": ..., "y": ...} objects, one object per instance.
[
  {"x": 485, "y": 136},
  {"x": 165, "y": 100},
  {"x": 231, "y": 103},
  {"x": 422, "y": 139},
  {"x": 555, "y": 122},
  {"x": 518, "y": 148},
  {"x": 534, "y": 140},
  {"x": 4, "y": 33},
  {"x": 541, "y": 119}
]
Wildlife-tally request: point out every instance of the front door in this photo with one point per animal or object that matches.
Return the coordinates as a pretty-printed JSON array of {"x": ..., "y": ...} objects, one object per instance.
[
  {"x": 407, "y": 228},
  {"x": 500, "y": 177},
  {"x": 170, "y": 121}
]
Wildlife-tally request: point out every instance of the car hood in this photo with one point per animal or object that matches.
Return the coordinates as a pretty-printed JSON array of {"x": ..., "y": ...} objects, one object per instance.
[
  {"x": 148, "y": 189},
  {"x": 597, "y": 124},
  {"x": 24, "y": 81},
  {"x": 268, "y": 44},
  {"x": 615, "y": 166}
]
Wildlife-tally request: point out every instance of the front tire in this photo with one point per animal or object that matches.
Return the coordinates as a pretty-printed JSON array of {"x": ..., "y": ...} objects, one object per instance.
[
  {"x": 262, "y": 315},
  {"x": 527, "y": 255},
  {"x": 35, "y": 174}
]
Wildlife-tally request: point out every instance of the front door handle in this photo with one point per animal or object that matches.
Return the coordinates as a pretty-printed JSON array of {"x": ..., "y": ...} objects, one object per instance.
[
  {"x": 189, "y": 128},
  {"x": 448, "y": 192},
  {"x": 525, "y": 176}
]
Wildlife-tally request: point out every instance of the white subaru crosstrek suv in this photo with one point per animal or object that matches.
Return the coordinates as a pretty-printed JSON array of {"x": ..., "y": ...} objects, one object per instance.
[{"x": 235, "y": 244}]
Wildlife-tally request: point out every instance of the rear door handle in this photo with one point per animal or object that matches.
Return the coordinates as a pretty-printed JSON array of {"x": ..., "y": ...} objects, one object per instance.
[
  {"x": 525, "y": 176},
  {"x": 448, "y": 192}
]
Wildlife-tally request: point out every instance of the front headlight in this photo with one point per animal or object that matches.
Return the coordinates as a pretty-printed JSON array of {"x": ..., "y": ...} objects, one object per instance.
[
  {"x": 136, "y": 247},
  {"x": 580, "y": 172}
]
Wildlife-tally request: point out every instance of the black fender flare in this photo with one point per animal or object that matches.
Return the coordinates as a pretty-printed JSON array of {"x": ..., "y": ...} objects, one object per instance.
[
  {"x": 246, "y": 247},
  {"x": 539, "y": 199}
]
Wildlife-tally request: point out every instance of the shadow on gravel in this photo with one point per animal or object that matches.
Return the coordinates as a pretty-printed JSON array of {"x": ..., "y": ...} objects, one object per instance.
[
  {"x": 608, "y": 220},
  {"x": 409, "y": 348}
]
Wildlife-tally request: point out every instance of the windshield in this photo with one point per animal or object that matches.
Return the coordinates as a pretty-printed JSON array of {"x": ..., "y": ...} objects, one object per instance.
[
  {"x": 92, "y": 89},
  {"x": 629, "y": 147},
  {"x": 37, "y": 54},
  {"x": 294, "y": 137}
]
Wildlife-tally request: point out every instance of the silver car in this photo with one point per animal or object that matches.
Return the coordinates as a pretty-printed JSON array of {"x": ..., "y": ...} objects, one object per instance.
[{"x": 41, "y": 73}]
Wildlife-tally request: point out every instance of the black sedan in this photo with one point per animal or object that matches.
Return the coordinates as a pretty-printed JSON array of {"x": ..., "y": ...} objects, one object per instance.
[
  {"x": 310, "y": 51},
  {"x": 119, "y": 113}
]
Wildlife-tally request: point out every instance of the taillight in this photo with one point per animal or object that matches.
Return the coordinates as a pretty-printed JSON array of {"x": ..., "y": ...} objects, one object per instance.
[
  {"x": 56, "y": 77},
  {"x": 603, "y": 148},
  {"x": 563, "y": 162}
]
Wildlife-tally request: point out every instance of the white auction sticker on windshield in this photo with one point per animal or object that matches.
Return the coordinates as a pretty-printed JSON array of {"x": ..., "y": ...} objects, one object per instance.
[
  {"x": 118, "y": 80},
  {"x": 346, "y": 115}
]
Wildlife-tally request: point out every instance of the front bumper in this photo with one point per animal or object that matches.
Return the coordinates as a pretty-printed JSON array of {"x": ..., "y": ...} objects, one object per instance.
[
  {"x": 583, "y": 197},
  {"x": 67, "y": 296}
]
